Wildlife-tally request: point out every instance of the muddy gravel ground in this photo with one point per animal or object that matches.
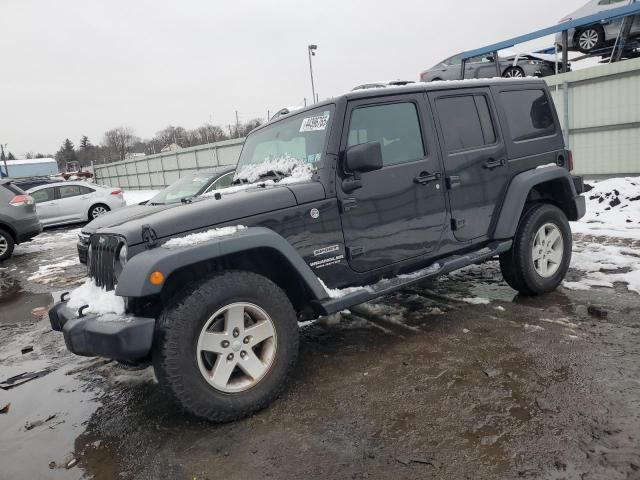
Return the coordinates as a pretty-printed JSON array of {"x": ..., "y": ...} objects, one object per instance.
[{"x": 459, "y": 378}]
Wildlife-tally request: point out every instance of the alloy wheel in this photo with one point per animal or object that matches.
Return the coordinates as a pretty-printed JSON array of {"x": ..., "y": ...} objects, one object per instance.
[
  {"x": 236, "y": 347},
  {"x": 514, "y": 73},
  {"x": 4, "y": 245},
  {"x": 98, "y": 211},
  {"x": 547, "y": 250},
  {"x": 589, "y": 39}
]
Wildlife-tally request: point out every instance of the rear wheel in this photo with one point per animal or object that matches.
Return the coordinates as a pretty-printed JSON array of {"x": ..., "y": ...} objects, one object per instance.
[
  {"x": 541, "y": 251},
  {"x": 513, "y": 72},
  {"x": 97, "y": 211},
  {"x": 226, "y": 349},
  {"x": 6, "y": 244},
  {"x": 590, "y": 39}
]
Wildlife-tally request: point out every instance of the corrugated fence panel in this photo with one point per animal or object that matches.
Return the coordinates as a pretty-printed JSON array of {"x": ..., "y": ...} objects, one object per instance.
[{"x": 604, "y": 117}]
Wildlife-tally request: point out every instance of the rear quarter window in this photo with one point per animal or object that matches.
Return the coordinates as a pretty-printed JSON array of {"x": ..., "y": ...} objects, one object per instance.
[
  {"x": 16, "y": 190},
  {"x": 529, "y": 114}
]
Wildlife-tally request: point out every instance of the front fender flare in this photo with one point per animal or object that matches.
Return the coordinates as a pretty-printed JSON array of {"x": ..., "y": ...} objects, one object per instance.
[
  {"x": 134, "y": 279},
  {"x": 519, "y": 189}
]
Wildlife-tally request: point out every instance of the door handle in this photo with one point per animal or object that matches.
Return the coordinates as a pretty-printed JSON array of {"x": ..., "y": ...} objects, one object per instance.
[
  {"x": 426, "y": 178},
  {"x": 492, "y": 163}
]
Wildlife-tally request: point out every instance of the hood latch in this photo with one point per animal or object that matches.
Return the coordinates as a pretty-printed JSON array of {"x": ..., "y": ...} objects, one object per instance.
[{"x": 149, "y": 236}]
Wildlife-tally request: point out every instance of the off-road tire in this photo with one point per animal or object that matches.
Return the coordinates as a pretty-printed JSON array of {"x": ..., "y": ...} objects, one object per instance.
[
  {"x": 175, "y": 344},
  {"x": 517, "y": 264},
  {"x": 10, "y": 244}
]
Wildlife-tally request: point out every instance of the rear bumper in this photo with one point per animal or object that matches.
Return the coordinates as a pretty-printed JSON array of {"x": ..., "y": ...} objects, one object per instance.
[
  {"x": 119, "y": 337},
  {"x": 27, "y": 228}
]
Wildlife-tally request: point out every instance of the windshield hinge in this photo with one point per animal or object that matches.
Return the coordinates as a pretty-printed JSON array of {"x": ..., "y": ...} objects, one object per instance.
[{"x": 149, "y": 235}]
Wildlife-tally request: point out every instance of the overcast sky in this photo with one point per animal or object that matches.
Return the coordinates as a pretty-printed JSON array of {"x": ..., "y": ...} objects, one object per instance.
[{"x": 79, "y": 67}]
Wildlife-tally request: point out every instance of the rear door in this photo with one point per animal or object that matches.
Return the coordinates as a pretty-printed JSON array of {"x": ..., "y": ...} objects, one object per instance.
[
  {"x": 74, "y": 202},
  {"x": 399, "y": 211},
  {"x": 475, "y": 159}
]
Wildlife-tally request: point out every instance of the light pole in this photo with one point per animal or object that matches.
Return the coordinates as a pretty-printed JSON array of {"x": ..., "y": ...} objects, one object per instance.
[
  {"x": 312, "y": 53},
  {"x": 6, "y": 169}
]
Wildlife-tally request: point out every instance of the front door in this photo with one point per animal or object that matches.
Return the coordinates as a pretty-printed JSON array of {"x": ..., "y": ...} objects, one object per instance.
[
  {"x": 399, "y": 211},
  {"x": 46, "y": 205},
  {"x": 475, "y": 159}
]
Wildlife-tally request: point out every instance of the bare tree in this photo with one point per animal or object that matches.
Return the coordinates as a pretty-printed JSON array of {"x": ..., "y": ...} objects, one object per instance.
[{"x": 119, "y": 140}]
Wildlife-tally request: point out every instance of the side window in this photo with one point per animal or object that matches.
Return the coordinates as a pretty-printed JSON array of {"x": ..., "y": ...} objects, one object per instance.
[
  {"x": 85, "y": 190},
  {"x": 466, "y": 122},
  {"x": 395, "y": 126},
  {"x": 223, "y": 182},
  {"x": 457, "y": 60},
  {"x": 529, "y": 114},
  {"x": 69, "y": 191},
  {"x": 44, "y": 195}
]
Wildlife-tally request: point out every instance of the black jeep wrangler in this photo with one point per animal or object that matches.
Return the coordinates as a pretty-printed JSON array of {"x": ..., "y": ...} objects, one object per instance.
[{"x": 332, "y": 206}]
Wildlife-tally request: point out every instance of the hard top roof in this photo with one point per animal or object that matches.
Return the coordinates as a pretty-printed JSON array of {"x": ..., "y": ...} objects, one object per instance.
[{"x": 411, "y": 88}]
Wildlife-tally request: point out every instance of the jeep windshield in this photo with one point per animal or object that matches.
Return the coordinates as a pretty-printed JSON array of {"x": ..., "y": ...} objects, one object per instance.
[
  {"x": 288, "y": 149},
  {"x": 184, "y": 189}
]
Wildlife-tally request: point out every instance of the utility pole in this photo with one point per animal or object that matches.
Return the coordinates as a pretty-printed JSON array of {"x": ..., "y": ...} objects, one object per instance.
[
  {"x": 4, "y": 157},
  {"x": 312, "y": 53},
  {"x": 237, "y": 125}
]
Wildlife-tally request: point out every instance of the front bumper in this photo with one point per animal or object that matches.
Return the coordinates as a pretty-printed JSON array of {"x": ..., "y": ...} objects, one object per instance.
[
  {"x": 83, "y": 252},
  {"x": 119, "y": 337}
]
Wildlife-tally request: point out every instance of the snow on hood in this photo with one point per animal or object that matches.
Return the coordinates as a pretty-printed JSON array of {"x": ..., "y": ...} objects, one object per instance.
[{"x": 197, "y": 238}]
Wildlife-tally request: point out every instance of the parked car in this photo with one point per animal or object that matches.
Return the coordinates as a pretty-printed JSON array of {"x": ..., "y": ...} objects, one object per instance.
[
  {"x": 591, "y": 38},
  {"x": 62, "y": 203},
  {"x": 179, "y": 193},
  {"x": 18, "y": 220},
  {"x": 511, "y": 66},
  {"x": 384, "y": 84},
  {"x": 29, "y": 182},
  {"x": 344, "y": 201}
]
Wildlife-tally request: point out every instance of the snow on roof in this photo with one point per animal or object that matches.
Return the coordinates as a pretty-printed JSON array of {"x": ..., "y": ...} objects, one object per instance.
[{"x": 30, "y": 161}]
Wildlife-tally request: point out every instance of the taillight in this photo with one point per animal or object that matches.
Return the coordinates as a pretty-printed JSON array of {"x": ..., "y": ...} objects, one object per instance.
[
  {"x": 21, "y": 200},
  {"x": 117, "y": 192},
  {"x": 570, "y": 160}
]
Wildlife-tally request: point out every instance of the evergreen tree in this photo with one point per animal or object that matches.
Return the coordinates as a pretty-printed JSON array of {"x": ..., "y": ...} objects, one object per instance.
[
  {"x": 65, "y": 155},
  {"x": 85, "y": 144},
  {"x": 11, "y": 156}
]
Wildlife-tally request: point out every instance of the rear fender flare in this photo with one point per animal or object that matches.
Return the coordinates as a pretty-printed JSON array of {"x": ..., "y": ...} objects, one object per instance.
[{"x": 518, "y": 191}]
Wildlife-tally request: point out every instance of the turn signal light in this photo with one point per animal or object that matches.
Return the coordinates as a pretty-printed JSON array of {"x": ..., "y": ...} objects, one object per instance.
[{"x": 156, "y": 278}]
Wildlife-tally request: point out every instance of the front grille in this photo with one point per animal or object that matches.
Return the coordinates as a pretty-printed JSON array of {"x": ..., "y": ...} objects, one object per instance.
[{"x": 102, "y": 259}]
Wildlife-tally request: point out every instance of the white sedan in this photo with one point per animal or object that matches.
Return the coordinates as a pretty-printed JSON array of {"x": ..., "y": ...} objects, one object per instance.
[{"x": 73, "y": 202}]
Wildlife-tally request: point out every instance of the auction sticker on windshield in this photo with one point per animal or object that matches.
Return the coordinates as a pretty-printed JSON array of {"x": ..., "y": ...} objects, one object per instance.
[{"x": 311, "y": 124}]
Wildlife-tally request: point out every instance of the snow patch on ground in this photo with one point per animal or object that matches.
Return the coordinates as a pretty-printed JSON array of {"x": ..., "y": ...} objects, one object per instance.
[
  {"x": 603, "y": 265},
  {"x": 476, "y": 300},
  {"x": 48, "y": 240},
  {"x": 134, "y": 197},
  {"x": 197, "y": 238},
  {"x": 613, "y": 208},
  {"x": 99, "y": 300},
  {"x": 52, "y": 269}
]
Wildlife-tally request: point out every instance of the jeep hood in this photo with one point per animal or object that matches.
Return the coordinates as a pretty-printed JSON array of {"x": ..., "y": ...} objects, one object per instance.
[
  {"x": 123, "y": 215},
  {"x": 208, "y": 212}
]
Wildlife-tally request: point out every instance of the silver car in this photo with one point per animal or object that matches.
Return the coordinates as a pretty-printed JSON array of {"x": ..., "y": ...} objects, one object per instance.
[
  {"x": 73, "y": 202},
  {"x": 594, "y": 37},
  {"x": 511, "y": 66}
]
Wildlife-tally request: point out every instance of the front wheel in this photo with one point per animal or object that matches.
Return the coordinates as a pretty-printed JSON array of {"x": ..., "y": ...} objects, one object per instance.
[
  {"x": 513, "y": 72},
  {"x": 226, "y": 349},
  {"x": 539, "y": 258}
]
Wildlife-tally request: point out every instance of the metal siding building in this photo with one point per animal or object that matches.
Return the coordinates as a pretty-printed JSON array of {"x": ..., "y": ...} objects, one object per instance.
[
  {"x": 35, "y": 167},
  {"x": 602, "y": 113}
]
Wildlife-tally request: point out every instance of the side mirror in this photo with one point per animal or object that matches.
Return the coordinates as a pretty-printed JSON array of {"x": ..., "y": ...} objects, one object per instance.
[
  {"x": 358, "y": 159},
  {"x": 363, "y": 158}
]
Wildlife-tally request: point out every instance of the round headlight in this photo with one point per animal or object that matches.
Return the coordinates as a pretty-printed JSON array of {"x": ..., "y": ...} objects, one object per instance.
[{"x": 123, "y": 255}]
